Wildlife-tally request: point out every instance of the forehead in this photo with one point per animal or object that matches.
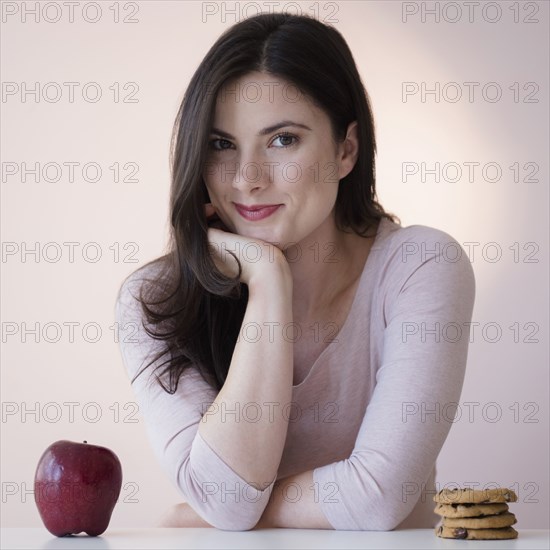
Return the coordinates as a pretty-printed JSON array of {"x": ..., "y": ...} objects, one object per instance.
[{"x": 260, "y": 93}]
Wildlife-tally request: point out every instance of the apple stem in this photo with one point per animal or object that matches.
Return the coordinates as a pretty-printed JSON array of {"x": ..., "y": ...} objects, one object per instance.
[{"x": 85, "y": 442}]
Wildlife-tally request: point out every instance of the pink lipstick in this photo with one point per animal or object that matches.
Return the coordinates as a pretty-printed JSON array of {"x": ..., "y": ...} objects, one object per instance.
[{"x": 256, "y": 212}]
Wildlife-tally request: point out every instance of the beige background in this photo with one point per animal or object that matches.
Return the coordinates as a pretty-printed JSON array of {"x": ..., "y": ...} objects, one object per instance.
[{"x": 159, "y": 53}]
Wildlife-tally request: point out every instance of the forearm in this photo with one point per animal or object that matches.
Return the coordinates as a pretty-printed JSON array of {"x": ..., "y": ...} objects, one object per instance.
[
  {"x": 294, "y": 504},
  {"x": 245, "y": 424}
]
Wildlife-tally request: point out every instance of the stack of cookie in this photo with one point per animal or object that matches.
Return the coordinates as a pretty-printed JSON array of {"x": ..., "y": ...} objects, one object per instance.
[{"x": 477, "y": 515}]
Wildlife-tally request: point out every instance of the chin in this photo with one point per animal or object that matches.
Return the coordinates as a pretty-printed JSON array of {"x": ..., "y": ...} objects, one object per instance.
[{"x": 263, "y": 234}]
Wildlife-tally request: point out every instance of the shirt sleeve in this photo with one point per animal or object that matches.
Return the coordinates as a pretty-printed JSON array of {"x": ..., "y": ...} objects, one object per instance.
[
  {"x": 428, "y": 298},
  {"x": 213, "y": 489}
]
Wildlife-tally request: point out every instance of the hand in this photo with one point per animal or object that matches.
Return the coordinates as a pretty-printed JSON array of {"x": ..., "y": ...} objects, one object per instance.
[{"x": 254, "y": 255}]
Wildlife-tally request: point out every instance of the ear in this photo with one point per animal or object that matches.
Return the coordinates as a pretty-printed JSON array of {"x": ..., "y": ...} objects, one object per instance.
[{"x": 348, "y": 151}]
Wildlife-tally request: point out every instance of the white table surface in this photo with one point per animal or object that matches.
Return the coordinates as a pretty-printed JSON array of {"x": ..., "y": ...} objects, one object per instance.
[{"x": 157, "y": 538}]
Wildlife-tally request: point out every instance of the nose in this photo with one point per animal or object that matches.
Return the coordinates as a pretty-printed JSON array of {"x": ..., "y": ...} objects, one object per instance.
[{"x": 252, "y": 173}]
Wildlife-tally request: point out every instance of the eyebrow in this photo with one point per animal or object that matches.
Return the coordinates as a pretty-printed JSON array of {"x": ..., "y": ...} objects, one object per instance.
[{"x": 264, "y": 131}]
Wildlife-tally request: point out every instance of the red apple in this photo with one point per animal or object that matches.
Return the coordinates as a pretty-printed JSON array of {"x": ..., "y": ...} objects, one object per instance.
[{"x": 76, "y": 487}]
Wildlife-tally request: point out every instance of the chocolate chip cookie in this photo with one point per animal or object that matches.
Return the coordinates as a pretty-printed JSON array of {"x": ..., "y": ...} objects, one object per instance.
[
  {"x": 466, "y": 510},
  {"x": 473, "y": 496},
  {"x": 476, "y": 534},
  {"x": 506, "y": 519}
]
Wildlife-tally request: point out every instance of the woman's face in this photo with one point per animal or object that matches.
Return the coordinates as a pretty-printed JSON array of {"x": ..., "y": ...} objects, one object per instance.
[{"x": 270, "y": 145}]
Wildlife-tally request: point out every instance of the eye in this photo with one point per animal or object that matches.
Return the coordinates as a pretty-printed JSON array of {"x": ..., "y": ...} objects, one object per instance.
[
  {"x": 219, "y": 144},
  {"x": 286, "y": 139}
]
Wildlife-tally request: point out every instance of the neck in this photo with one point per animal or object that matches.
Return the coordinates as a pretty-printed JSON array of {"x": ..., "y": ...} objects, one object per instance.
[{"x": 322, "y": 266}]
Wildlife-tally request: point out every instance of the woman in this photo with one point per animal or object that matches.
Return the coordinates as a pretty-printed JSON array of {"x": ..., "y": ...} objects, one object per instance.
[{"x": 292, "y": 358}]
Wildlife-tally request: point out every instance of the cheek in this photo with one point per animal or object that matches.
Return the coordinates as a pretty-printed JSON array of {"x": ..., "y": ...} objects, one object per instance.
[
  {"x": 318, "y": 184},
  {"x": 213, "y": 174},
  {"x": 319, "y": 170},
  {"x": 213, "y": 187}
]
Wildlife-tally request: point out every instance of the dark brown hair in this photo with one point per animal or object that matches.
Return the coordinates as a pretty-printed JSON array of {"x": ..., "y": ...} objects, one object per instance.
[{"x": 192, "y": 307}]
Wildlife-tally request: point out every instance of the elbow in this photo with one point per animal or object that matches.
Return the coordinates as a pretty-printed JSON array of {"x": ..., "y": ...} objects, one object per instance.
[
  {"x": 386, "y": 510},
  {"x": 246, "y": 526},
  {"x": 378, "y": 505},
  {"x": 386, "y": 523},
  {"x": 216, "y": 493},
  {"x": 225, "y": 516},
  {"x": 186, "y": 515},
  {"x": 386, "y": 519},
  {"x": 232, "y": 522},
  {"x": 225, "y": 506}
]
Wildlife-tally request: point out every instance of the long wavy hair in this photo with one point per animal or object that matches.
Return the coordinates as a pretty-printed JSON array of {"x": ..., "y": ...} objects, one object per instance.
[{"x": 189, "y": 304}]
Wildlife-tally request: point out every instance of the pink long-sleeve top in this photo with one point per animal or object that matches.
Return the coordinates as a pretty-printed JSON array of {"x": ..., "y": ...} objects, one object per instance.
[{"x": 369, "y": 418}]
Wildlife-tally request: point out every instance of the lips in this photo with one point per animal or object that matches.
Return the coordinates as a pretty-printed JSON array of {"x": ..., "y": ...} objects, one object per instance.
[{"x": 257, "y": 211}]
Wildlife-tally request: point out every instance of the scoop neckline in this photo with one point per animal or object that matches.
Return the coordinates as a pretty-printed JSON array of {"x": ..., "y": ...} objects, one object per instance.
[{"x": 353, "y": 308}]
